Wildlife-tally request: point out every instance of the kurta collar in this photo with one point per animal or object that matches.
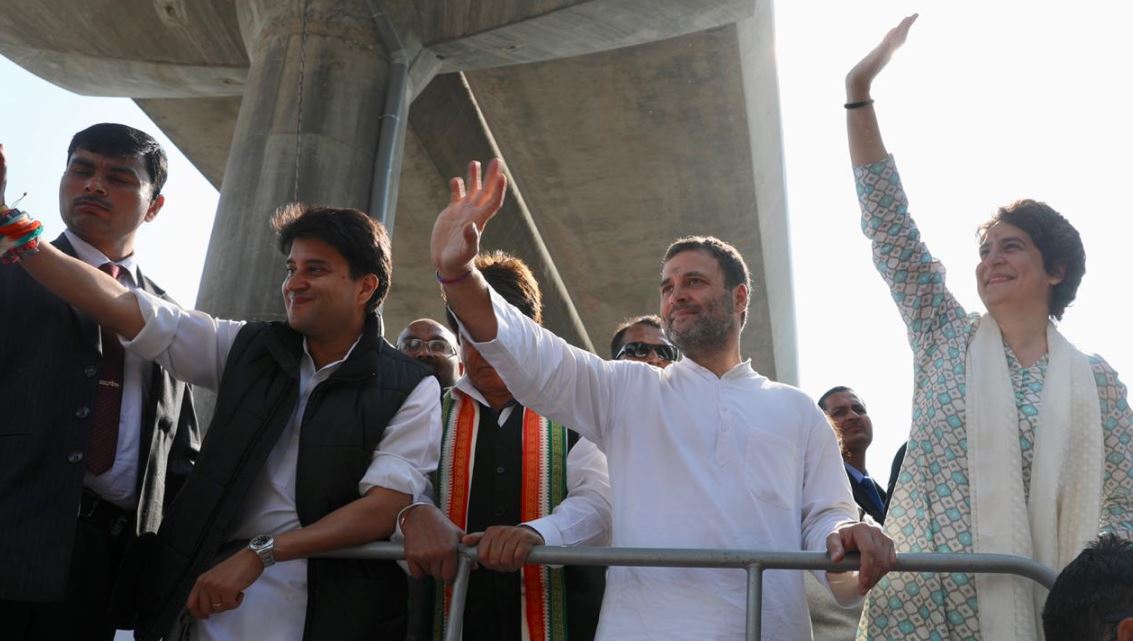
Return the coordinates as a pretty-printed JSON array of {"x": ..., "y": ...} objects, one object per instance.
[{"x": 742, "y": 370}]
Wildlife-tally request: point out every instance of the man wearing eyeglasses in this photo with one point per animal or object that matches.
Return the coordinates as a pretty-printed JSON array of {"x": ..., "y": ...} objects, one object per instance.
[
  {"x": 1092, "y": 599},
  {"x": 512, "y": 480},
  {"x": 434, "y": 345},
  {"x": 643, "y": 339}
]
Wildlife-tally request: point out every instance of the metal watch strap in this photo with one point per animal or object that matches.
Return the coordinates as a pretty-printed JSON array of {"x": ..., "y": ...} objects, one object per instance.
[{"x": 264, "y": 547}]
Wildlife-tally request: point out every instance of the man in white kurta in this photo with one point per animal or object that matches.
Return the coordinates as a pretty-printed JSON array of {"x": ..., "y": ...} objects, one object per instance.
[{"x": 704, "y": 454}]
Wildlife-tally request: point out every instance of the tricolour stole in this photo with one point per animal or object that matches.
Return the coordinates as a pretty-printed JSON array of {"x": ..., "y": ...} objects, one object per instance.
[{"x": 544, "y": 451}]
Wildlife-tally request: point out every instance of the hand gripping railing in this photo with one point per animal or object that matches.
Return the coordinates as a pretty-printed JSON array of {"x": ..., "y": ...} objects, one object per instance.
[{"x": 754, "y": 561}]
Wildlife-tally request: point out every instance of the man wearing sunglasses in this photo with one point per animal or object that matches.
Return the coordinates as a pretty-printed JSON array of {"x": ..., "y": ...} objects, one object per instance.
[
  {"x": 434, "y": 345},
  {"x": 643, "y": 339},
  {"x": 1092, "y": 599}
]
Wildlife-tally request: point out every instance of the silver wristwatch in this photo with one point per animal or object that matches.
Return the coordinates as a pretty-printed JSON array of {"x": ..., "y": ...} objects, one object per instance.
[{"x": 264, "y": 547}]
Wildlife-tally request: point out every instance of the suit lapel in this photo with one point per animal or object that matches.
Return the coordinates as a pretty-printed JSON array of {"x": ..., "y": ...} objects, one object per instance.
[{"x": 88, "y": 329}]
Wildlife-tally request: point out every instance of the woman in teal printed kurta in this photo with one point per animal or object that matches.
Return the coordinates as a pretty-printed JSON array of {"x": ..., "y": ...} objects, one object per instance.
[{"x": 931, "y": 510}]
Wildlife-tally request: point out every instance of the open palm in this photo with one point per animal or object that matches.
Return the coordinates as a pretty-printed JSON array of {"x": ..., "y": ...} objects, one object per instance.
[
  {"x": 456, "y": 234},
  {"x": 860, "y": 78}
]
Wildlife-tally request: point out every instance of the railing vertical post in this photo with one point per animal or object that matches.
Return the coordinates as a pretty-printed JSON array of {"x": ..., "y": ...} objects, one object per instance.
[
  {"x": 754, "y": 601},
  {"x": 459, "y": 592}
]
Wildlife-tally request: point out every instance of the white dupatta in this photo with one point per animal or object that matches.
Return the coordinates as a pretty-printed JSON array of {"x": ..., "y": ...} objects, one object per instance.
[{"x": 1066, "y": 475}]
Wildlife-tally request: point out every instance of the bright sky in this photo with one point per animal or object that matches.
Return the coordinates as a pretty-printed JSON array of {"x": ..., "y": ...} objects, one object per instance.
[{"x": 988, "y": 102}]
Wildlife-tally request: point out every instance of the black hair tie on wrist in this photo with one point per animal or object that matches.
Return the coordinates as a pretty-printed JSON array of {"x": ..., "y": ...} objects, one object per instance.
[{"x": 859, "y": 104}]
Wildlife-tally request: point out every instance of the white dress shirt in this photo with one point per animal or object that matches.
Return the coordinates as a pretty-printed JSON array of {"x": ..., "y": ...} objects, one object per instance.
[
  {"x": 119, "y": 484},
  {"x": 193, "y": 346},
  {"x": 696, "y": 461}
]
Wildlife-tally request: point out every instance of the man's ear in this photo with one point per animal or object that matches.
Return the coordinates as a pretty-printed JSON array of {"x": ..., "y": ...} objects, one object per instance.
[
  {"x": 154, "y": 207},
  {"x": 741, "y": 296},
  {"x": 369, "y": 284},
  {"x": 1125, "y": 629}
]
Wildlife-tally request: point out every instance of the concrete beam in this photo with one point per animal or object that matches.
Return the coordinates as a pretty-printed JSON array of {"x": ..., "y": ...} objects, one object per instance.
[
  {"x": 620, "y": 152},
  {"x": 452, "y": 132},
  {"x": 131, "y": 48},
  {"x": 202, "y": 128},
  {"x": 469, "y": 34}
]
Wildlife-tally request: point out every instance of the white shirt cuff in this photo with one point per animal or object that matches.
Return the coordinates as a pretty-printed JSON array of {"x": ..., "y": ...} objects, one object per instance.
[{"x": 546, "y": 529}]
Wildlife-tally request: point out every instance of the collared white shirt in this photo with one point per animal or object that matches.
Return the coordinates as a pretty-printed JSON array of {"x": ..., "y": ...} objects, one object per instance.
[
  {"x": 194, "y": 347},
  {"x": 583, "y": 517},
  {"x": 119, "y": 484},
  {"x": 696, "y": 461}
]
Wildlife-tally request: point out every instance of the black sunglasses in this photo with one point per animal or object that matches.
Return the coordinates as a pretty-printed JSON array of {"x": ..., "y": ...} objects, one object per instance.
[{"x": 641, "y": 350}]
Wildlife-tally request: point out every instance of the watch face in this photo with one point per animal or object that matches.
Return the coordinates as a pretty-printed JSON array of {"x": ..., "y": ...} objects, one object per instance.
[{"x": 260, "y": 541}]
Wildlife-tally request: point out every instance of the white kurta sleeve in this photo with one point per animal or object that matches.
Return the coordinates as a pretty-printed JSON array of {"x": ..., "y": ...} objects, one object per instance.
[
  {"x": 563, "y": 383},
  {"x": 583, "y": 517},
  {"x": 827, "y": 499},
  {"x": 410, "y": 446},
  {"x": 191, "y": 345}
]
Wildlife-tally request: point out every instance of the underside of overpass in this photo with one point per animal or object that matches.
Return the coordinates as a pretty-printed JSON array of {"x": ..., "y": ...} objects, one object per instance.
[{"x": 624, "y": 124}]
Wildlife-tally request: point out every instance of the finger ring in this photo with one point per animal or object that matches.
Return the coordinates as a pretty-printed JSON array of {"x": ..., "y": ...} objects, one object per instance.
[{"x": 217, "y": 605}]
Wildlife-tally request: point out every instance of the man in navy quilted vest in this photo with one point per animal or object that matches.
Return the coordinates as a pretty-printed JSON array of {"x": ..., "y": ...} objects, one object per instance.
[{"x": 323, "y": 432}]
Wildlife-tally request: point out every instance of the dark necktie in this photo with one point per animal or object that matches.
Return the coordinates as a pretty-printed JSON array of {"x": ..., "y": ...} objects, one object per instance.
[
  {"x": 872, "y": 493},
  {"x": 108, "y": 402}
]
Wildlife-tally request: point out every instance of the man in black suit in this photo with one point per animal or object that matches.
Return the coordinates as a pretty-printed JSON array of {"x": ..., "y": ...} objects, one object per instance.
[
  {"x": 847, "y": 415},
  {"x": 93, "y": 444}
]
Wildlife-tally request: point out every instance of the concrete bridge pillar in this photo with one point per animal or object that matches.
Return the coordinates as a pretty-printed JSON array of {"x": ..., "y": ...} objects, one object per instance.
[{"x": 307, "y": 130}]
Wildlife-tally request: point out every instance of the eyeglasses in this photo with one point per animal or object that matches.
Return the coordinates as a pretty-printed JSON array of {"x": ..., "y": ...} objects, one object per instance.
[
  {"x": 435, "y": 346},
  {"x": 664, "y": 351}
]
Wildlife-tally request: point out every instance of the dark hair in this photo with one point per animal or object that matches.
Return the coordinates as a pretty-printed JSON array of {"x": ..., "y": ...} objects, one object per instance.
[
  {"x": 729, "y": 258},
  {"x": 838, "y": 389},
  {"x": 361, "y": 240},
  {"x": 652, "y": 320},
  {"x": 112, "y": 139},
  {"x": 1057, "y": 241},
  {"x": 512, "y": 279},
  {"x": 1094, "y": 587}
]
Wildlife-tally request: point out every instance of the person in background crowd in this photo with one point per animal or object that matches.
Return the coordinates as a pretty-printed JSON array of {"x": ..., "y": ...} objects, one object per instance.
[
  {"x": 848, "y": 416},
  {"x": 1092, "y": 599},
  {"x": 434, "y": 345},
  {"x": 643, "y": 339}
]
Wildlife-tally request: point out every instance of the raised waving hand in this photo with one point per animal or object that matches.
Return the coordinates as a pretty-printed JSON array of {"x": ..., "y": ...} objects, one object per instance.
[
  {"x": 456, "y": 234},
  {"x": 864, "y": 133}
]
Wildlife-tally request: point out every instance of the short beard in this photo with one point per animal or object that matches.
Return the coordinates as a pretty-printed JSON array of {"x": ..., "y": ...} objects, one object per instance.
[{"x": 709, "y": 334}]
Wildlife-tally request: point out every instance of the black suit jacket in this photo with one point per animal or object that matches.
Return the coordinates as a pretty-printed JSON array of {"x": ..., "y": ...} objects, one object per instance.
[
  {"x": 861, "y": 497},
  {"x": 50, "y": 361}
]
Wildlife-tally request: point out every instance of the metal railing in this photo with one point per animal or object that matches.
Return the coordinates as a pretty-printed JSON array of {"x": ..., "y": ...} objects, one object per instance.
[{"x": 755, "y": 562}]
